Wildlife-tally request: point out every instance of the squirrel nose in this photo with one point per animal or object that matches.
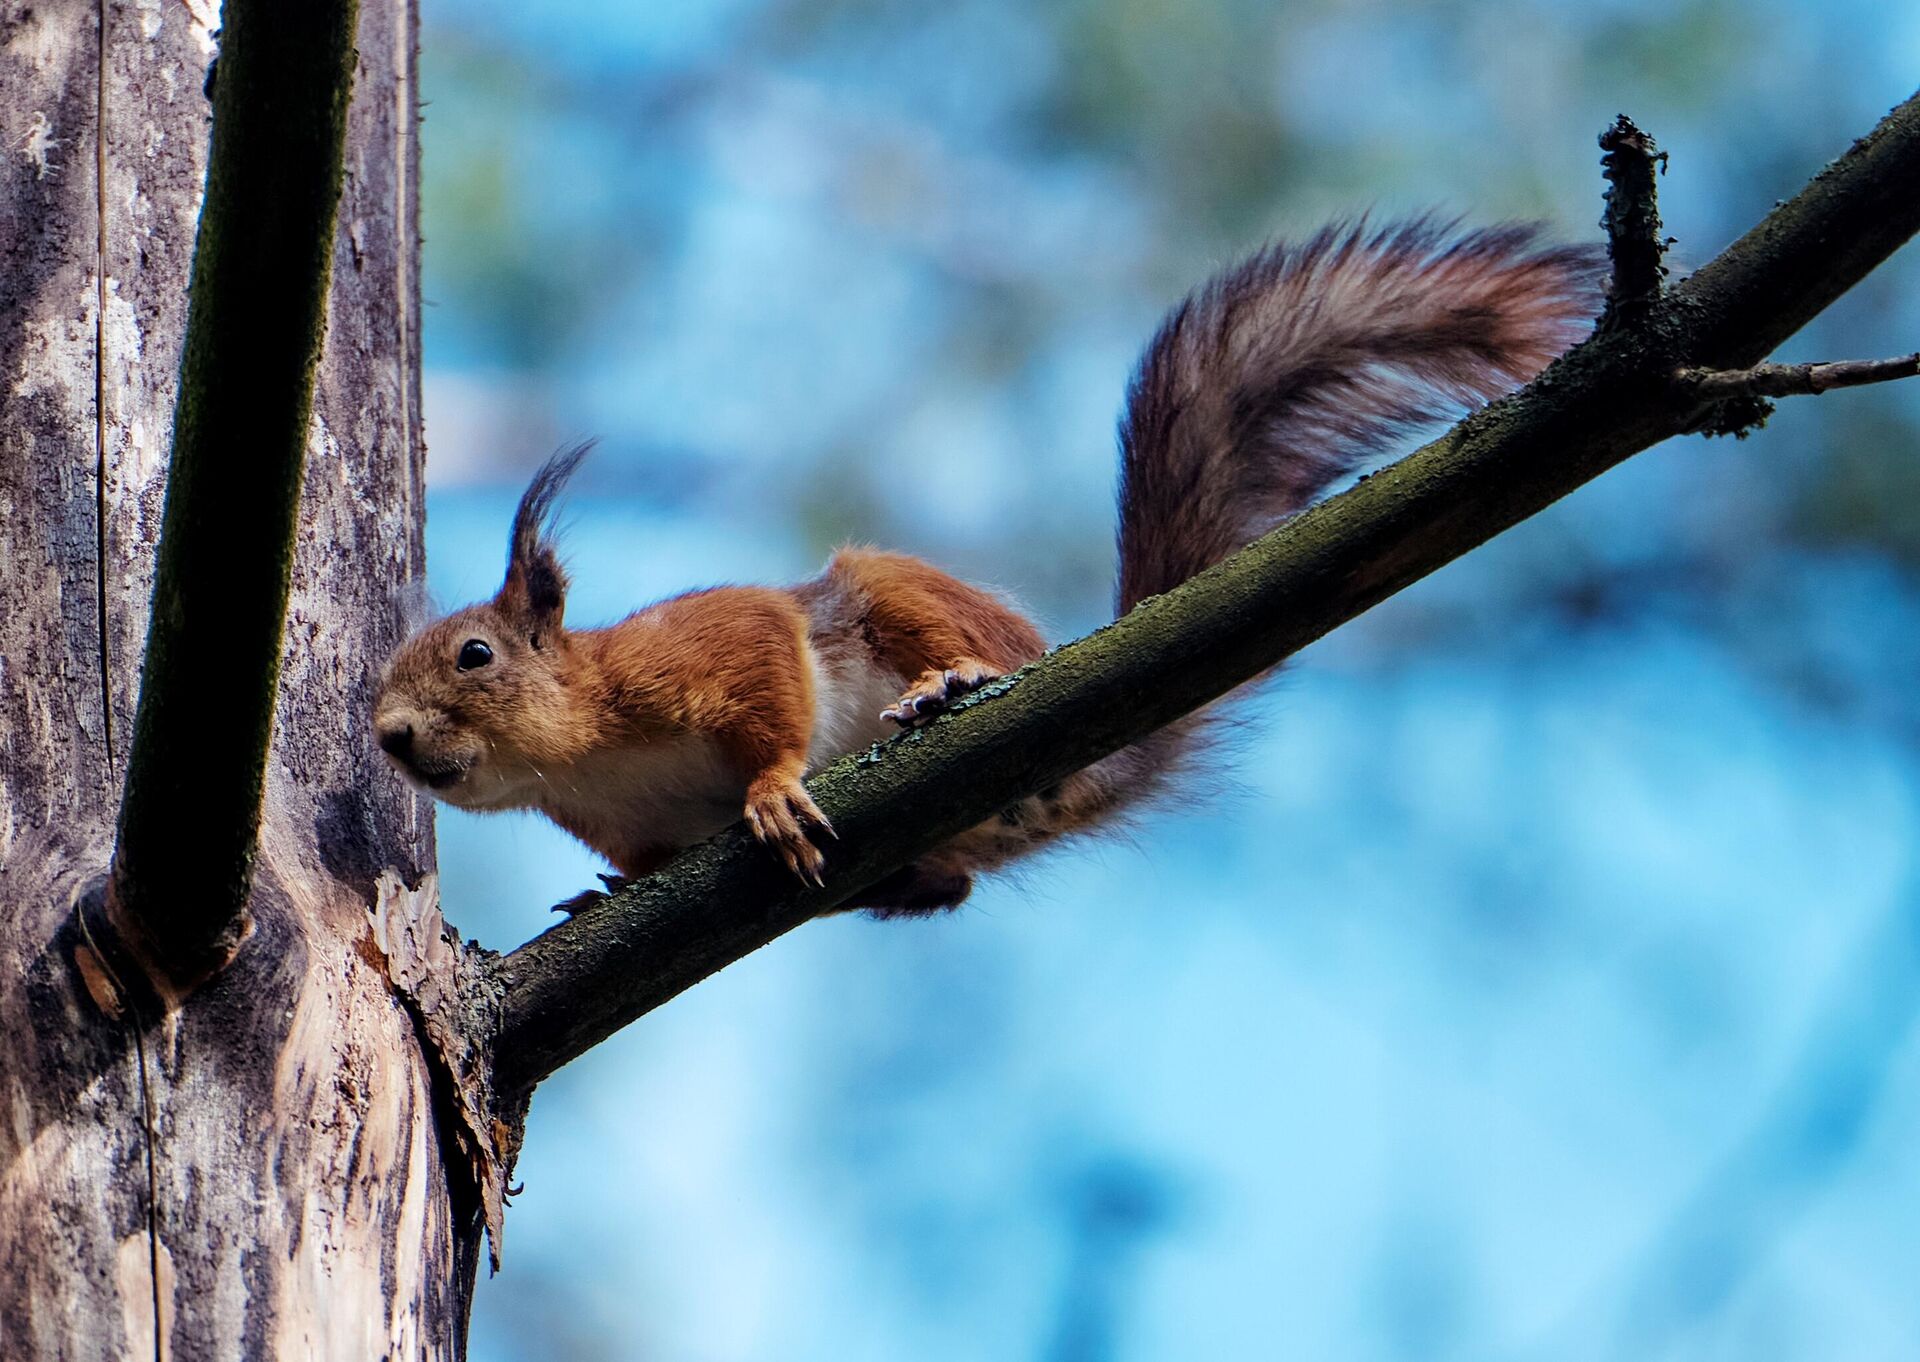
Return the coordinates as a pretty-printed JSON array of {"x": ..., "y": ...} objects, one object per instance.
[{"x": 397, "y": 741}]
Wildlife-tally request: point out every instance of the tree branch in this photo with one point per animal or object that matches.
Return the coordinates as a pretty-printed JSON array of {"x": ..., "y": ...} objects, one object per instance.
[
  {"x": 580, "y": 981},
  {"x": 183, "y": 863},
  {"x": 1632, "y": 220},
  {"x": 1796, "y": 380}
]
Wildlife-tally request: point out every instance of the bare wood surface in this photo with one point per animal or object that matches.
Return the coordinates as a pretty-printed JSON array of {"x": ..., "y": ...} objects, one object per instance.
[
  {"x": 76, "y": 1276},
  {"x": 262, "y": 1172}
]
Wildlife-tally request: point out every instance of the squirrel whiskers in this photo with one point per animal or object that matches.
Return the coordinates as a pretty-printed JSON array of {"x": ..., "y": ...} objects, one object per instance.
[{"x": 1274, "y": 381}]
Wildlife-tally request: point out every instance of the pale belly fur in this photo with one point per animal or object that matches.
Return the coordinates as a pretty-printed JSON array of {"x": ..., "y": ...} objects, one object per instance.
[{"x": 848, "y": 695}]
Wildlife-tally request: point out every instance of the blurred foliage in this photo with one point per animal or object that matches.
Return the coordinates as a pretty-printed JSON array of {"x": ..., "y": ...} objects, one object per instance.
[
  {"x": 559, "y": 202},
  {"x": 1866, "y": 494},
  {"x": 1533, "y": 906},
  {"x": 523, "y": 220}
]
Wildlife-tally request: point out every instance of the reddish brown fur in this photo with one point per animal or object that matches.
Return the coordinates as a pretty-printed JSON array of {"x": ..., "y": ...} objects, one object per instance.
[
  {"x": 934, "y": 630},
  {"x": 1262, "y": 390},
  {"x": 726, "y": 661}
]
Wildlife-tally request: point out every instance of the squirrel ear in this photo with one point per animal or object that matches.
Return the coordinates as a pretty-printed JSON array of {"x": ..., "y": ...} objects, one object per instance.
[{"x": 536, "y": 587}]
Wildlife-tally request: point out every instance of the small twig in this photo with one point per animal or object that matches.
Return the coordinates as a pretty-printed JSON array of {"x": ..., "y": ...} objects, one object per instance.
[
  {"x": 1795, "y": 380},
  {"x": 1632, "y": 217}
]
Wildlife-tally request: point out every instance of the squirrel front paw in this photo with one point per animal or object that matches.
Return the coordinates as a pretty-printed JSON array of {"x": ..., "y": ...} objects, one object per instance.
[
  {"x": 938, "y": 688},
  {"x": 779, "y": 810}
]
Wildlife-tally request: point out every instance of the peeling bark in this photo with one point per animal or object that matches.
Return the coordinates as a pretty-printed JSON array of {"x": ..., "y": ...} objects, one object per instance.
[
  {"x": 454, "y": 994},
  {"x": 266, "y": 1170}
]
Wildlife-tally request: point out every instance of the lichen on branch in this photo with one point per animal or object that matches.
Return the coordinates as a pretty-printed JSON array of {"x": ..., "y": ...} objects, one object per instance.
[{"x": 1615, "y": 395}]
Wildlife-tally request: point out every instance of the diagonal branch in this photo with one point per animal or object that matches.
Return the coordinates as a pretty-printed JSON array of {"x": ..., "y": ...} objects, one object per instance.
[
  {"x": 183, "y": 864},
  {"x": 576, "y": 984}
]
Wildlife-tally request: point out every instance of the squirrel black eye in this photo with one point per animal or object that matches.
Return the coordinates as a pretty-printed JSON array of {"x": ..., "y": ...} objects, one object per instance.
[{"x": 474, "y": 653}]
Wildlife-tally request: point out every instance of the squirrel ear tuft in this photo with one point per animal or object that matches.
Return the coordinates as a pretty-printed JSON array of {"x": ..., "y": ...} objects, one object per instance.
[{"x": 536, "y": 586}]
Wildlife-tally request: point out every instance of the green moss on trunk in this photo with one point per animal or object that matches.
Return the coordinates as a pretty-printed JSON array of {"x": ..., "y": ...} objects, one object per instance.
[{"x": 183, "y": 863}]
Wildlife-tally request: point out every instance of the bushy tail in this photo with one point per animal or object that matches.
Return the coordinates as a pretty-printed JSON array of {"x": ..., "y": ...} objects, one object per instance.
[
  {"x": 1283, "y": 375},
  {"x": 1279, "y": 378}
]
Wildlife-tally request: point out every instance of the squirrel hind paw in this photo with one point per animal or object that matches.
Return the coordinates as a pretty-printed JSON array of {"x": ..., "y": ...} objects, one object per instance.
[
  {"x": 938, "y": 688},
  {"x": 779, "y": 813},
  {"x": 586, "y": 898},
  {"x": 914, "y": 890}
]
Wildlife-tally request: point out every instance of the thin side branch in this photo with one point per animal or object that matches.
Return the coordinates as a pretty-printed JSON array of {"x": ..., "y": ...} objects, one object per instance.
[
  {"x": 571, "y": 987},
  {"x": 183, "y": 863},
  {"x": 1632, "y": 218},
  {"x": 1795, "y": 380}
]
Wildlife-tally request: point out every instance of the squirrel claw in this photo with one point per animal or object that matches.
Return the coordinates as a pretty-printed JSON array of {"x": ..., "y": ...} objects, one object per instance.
[
  {"x": 936, "y": 689},
  {"x": 779, "y": 814}
]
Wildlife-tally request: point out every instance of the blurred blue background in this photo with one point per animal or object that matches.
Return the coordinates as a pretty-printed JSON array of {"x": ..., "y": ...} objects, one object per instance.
[{"x": 1544, "y": 986}]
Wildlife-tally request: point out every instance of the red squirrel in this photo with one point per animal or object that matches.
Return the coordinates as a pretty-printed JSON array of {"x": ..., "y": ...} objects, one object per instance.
[{"x": 1273, "y": 381}]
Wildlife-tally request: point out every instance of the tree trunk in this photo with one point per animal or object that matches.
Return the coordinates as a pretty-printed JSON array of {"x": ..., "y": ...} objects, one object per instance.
[{"x": 262, "y": 1170}]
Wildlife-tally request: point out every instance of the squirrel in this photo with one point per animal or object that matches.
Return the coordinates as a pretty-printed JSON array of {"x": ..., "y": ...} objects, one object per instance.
[{"x": 1271, "y": 383}]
